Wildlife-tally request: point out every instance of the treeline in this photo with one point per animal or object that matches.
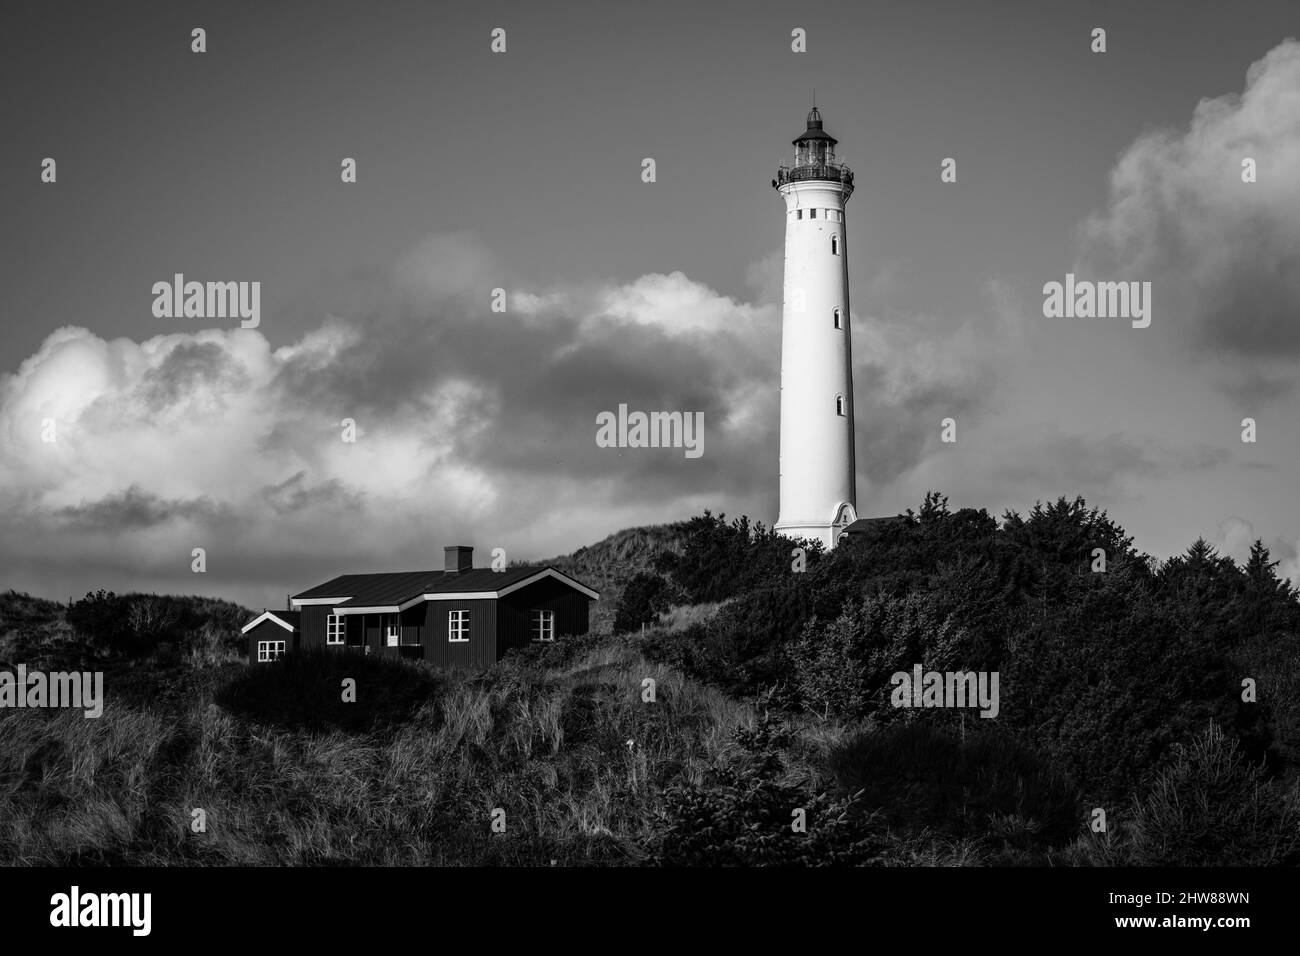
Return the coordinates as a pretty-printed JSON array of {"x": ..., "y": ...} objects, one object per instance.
[{"x": 1107, "y": 659}]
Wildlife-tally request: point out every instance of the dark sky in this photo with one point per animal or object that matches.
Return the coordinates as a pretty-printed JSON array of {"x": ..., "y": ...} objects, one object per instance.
[{"x": 522, "y": 171}]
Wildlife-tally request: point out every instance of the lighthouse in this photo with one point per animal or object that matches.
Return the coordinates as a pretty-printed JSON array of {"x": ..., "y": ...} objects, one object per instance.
[{"x": 818, "y": 478}]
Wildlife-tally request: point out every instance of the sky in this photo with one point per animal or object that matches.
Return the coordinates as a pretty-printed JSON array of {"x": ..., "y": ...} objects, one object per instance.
[{"x": 522, "y": 171}]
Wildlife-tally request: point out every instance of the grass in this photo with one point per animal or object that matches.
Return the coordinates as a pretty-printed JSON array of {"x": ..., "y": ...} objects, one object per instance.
[
  {"x": 558, "y": 737},
  {"x": 285, "y": 773}
]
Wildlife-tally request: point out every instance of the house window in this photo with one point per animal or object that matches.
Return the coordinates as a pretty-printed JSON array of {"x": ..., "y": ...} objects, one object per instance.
[
  {"x": 393, "y": 635},
  {"x": 269, "y": 651},
  {"x": 334, "y": 629},
  {"x": 458, "y": 626},
  {"x": 541, "y": 625},
  {"x": 835, "y": 245},
  {"x": 839, "y": 319},
  {"x": 839, "y": 404}
]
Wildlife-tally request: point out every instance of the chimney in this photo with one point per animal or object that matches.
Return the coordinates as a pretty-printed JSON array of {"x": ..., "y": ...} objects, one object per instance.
[{"x": 457, "y": 557}]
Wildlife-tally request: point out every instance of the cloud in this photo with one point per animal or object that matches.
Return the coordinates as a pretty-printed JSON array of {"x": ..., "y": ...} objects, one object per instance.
[
  {"x": 1288, "y": 557},
  {"x": 296, "y": 493},
  {"x": 912, "y": 371},
  {"x": 1233, "y": 538},
  {"x": 471, "y": 425},
  {"x": 136, "y": 509},
  {"x": 1100, "y": 467},
  {"x": 1223, "y": 255}
]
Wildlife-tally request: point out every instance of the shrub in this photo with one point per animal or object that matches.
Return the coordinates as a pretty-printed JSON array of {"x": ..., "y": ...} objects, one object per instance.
[
  {"x": 744, "y": 815},
  {"x": 644, "y": 598},
  {"x": 843, "y": 667},
  {"x": 304, "y": 690},
  {"x": 971, "y": 782},
  {"x": 1212, "y": 807}
]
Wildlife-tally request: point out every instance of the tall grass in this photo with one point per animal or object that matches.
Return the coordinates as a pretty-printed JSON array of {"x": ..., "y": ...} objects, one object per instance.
[
  {"x": 413, "y": 779},
  {"x": 563, "y": 740}
]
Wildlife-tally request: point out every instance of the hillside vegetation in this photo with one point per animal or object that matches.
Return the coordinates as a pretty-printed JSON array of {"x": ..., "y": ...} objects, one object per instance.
[
  {"x": 609, "y": 564},
  {"x": 770, "y": 738},
  {"x": 1160, "y": 693}
]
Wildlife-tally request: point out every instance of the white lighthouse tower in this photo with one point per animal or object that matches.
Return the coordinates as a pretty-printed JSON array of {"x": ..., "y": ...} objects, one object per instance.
[{"x": 818, "y": 483}]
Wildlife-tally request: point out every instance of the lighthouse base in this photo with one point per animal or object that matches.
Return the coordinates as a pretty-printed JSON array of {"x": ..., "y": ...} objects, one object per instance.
[
  {"x": 828, "y": 535},
  {"x": 827, "y": 532}
]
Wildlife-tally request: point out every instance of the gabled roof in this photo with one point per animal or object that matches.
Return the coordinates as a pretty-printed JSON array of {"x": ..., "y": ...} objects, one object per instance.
[
  {"x": 286, "y": 619},
  {"x": 400, "y": 589},
  {"x": 864, "y": 524}
]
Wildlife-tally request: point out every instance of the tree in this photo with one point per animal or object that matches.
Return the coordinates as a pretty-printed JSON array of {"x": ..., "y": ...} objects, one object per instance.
[{"x": 644, "y": 598}]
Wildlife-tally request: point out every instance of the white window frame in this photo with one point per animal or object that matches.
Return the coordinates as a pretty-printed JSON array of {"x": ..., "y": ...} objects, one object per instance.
[
  {"x": 541, "y": 620},
  {"x": 393, "y": 635},
  {"x": 268, "y": 651},
  {"x": 336, "y": 627},
  {"x": 458, "y": 627}
]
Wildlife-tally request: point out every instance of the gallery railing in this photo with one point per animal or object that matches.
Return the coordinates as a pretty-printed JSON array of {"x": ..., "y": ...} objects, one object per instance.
[{"x": 832, "y": 172}]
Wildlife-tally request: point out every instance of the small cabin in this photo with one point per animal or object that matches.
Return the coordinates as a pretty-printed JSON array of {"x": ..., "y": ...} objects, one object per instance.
[{"x": 461, "y": 616}]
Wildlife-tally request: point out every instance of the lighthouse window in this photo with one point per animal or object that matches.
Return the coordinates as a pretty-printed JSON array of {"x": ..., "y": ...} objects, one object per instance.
[
  {"x": 812, "y": 213},
  {"x": 839, "y": 324},
  {"x": 835, "y": 245},
  {"x": 839, "y": 404},
  {"x": 798, "y": 214}
]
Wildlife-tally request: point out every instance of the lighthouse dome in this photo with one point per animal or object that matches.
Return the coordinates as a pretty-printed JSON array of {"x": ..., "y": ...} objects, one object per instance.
[{"x": 814, "y": 130}]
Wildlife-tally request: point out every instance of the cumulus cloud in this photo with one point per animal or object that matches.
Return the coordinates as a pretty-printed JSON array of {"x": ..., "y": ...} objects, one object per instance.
[
  {"x": 1223, "y": 255},
  {"x": 471, "y": 425},
  {"x": 1288, "y": 557},
  {"x": 912, "y": 371},
  {"x": 1233, "y": 538}
]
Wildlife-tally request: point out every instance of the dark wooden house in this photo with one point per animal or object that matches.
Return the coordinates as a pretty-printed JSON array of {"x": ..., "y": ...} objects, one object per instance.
[{"x": 461, "y": 616}]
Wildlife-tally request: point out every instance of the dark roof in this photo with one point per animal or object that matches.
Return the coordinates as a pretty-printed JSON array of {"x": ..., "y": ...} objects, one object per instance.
[
  {"x": 381, "y": 590},
  {"x": 865, "y": 524},
  {"x": 814, "y": 130}
]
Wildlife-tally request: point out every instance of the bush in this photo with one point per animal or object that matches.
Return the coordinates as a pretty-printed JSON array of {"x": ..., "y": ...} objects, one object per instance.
[
  {"x": 720, "y": 560},
  {"x": 1213, "y": 808},
  {"x": 843, "y": 668},
  {"x": 744, "y": 816},
  {"x": 139, "y": 625},
  {"x": 973, "y": 782},
  {"x": 644, "y": 598},
  {"x": 305, "y": 690}
]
